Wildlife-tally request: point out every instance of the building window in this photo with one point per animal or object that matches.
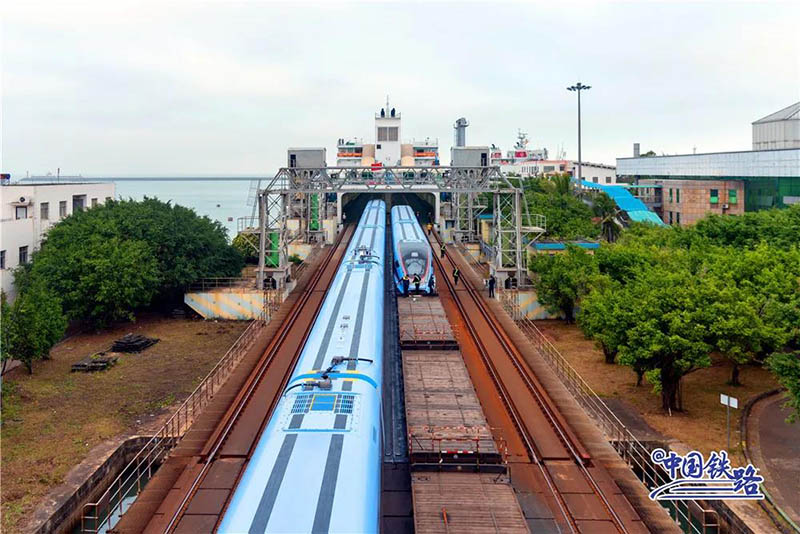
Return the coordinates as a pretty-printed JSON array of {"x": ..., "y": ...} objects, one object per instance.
[
  {"x": 594, "y": 179},
  {"x": 2, "y": 259},
  {"x": 94, "y": 202},
  {"x": 23, "y": 255},
  {"x": 22, "y": 212},
  {"x": 44, "y": 212},
  {"x": 78, "y": 203},
  {"x": 732, "y": 198},
  {"x": 677, "y": 197},
  {"x": 549, "y": 168},
  {"x": 387, "y": 133},
  {"x": 62, "y": 209},
  {"x": 670, "y": 214},
  {"x": 608, "y": 179},
  {"x": 715, "y": 196},
  {"x": 670, "y": 194},
  {"x": 678, "y": 217}
]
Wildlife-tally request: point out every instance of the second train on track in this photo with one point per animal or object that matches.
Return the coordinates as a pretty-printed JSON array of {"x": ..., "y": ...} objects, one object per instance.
[{"x": 412, "y": 252}]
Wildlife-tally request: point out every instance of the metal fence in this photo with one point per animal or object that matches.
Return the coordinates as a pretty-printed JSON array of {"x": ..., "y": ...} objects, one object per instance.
[
  {"x": 108, "y": 508},
  {"x": 222, "y": 284},
  {"x": 692, "y": 516}
]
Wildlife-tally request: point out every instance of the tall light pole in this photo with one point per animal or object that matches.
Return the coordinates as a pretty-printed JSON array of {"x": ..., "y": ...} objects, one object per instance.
[{"x": 579, "y": 87}]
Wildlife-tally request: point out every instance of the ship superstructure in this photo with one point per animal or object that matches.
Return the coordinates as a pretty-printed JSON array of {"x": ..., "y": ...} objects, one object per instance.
[
  {"x": 387, "y": 150},
  {"x": 519, "y": 154}
]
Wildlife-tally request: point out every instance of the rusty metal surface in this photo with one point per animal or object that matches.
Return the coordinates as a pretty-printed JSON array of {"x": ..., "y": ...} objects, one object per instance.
[
  {"x": 446, "y": 426},
  {"x": 465, "y": 502},
  {"x": 199, "y": 497},
  {"x": 548, "y": 463}
]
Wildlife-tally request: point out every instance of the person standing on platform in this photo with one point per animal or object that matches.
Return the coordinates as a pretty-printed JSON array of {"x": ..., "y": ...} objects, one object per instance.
[
  {"x": 443, "y": 250},
  {"x": 430, "y": 229},
  {"x": 405, "y": 285},
  {"x": 456, "y": 275},
  {"x": 432, "y": 285},
  {"x": 492, "y": 284},
  {"x": 417, "y": 281}
]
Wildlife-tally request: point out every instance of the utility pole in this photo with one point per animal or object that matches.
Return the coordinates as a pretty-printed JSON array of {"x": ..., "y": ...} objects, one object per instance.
[{"x": 579, "y": 87}]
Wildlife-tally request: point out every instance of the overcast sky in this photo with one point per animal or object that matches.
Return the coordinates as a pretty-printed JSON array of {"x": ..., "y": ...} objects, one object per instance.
[{"x": 170, "y": 88}]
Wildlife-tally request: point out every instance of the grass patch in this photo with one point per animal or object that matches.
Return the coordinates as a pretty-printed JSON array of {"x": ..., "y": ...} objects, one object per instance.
[{"x": 53, "y": 418}]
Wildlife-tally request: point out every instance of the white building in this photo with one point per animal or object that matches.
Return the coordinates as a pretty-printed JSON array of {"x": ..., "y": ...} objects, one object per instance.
[
  {"x": 778, "y": 130},
  {"x": 28, "y": 210},
  {"x": 598, "y": 173}
]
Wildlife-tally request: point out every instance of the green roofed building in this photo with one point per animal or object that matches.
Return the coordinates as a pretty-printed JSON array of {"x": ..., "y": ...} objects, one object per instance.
[{"x": 685, "y": 188}]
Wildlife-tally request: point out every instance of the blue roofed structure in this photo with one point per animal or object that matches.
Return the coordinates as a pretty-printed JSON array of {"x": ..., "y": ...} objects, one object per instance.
[{"x": 635, "y": 208}]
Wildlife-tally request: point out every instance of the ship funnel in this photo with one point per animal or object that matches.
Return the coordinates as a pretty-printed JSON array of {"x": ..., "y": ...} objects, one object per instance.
[{"x": 460, "y": 128}]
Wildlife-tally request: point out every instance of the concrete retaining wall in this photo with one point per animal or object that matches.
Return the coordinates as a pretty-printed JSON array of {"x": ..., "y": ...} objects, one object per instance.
[
  {"x": 60, "y": 511},
  {"x": 240, "y": 305}
]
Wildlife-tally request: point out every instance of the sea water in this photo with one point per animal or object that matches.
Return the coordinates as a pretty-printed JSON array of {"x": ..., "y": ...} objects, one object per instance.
[{"x": 223, "y": 200}]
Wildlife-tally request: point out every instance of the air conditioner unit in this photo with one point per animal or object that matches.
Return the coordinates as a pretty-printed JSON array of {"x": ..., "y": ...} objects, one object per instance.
[{"x": 725, "y": 206}]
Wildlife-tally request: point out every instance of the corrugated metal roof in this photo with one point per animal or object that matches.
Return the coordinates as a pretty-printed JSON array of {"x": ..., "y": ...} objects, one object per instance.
[
  {"x": 635, "y": 208},
  {"x": 787, "y": 113}
]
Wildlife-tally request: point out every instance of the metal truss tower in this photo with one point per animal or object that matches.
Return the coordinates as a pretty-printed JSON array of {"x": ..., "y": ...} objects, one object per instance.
[{"x": 296, "y": 200}]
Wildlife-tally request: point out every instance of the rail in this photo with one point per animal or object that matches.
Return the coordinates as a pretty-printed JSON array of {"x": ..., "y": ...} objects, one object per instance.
[
  {"x": 98, "y": 515},
  {"x": 218, "y": 438},
  {"x": 635, "y": 453}
]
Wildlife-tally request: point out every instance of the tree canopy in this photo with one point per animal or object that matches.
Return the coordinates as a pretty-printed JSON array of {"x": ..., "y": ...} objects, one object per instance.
[
  {"x": 30, "y": 326},
  {"x": 560, "y": 280},
  {"x": 661, "y": 300},
  {"x": 111, "y": 260}
]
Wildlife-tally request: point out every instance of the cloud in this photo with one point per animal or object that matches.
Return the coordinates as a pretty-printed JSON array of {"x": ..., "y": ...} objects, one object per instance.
[{"x": 226, "y": 87}]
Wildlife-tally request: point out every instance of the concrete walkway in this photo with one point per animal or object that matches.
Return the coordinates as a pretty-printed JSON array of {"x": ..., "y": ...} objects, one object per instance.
[{"x": 774, "y": 447}]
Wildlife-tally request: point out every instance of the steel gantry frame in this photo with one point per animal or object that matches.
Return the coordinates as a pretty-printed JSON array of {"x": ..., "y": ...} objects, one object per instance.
[{"x": 286, "y": 208}]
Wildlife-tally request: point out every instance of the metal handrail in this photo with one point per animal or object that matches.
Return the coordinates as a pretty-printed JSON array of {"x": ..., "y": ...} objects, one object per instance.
[
  {"x": 636, "y": 454},
  {"x": 131, "y": 478}
]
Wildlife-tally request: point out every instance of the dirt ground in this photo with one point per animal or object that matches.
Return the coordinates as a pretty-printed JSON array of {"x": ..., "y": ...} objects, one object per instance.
[
  {"x": 52, "y": 418},
  {"x": 701, "y": 425}
]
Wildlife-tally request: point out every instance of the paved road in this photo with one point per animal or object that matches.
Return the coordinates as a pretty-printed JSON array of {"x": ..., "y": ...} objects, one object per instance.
[{"x": 776, "y": 451}]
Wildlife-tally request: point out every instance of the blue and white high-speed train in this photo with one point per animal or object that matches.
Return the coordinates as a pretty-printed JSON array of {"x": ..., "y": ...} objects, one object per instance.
[
  {"x": 412, "y": 252},
  {"x": 316, "y": 467}
]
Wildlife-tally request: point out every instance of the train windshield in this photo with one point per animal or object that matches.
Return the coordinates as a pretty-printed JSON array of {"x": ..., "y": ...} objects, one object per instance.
[{"x": 415, "y": 257}]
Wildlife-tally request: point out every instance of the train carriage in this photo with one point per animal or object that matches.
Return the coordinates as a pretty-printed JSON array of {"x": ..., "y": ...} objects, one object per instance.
[
  {"x": 316, "y": 467},
  {"x": 412, "y": 251}
]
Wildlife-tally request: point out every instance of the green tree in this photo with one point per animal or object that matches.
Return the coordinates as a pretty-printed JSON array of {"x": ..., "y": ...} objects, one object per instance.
[
  {"x": 668, "y": 338},
  {"x": 5, "y": 332},
  {"x": 604, "y": 318},
  {"x": 247, "y": 246},
  {"x": 605, "y": 208},
  {"x": 756, "y": 310},
  {"x": 560, "y": 280},
  {"x": 31, "y": 325},
  {"x": 109, "y": 261},
  {"x": 786, "y": 367}
]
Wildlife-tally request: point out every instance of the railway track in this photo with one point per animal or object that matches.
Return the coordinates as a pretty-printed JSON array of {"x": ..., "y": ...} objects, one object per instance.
[
  {"x": 546, "y": 457},
  {"x": 200, "y": 497}
]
